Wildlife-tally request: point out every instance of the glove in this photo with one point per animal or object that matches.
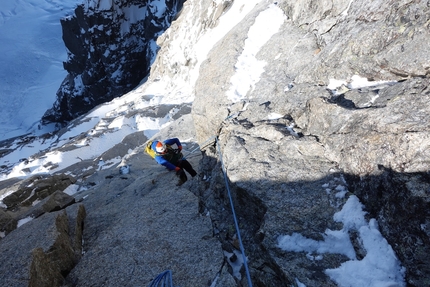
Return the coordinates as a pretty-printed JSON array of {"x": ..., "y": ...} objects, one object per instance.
[{"x": 180, "y": 147}]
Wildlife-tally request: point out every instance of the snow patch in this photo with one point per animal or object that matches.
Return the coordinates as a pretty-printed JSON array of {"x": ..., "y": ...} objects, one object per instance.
[
  {"x": 380, "y": 266},
  {"x": 358, "y": 82},
  {"x": 105, "y": 5},
  {"x": 132, "y": 14},
  {"x": 248, "y": 68},
  {"x": 336, "y": 242},
  {"x": 274, "y": 116},
  {"x": 23, "y": 221},
  {"x": 338, "y": 87},
  {"x": 71, "y": 189},
  {"x": 235, "y": 260}
]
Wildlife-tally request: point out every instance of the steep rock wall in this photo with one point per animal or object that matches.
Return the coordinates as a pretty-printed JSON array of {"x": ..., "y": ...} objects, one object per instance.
[
  {"x": 111, "y": 46},
  {"x": 372, "y": 140}
]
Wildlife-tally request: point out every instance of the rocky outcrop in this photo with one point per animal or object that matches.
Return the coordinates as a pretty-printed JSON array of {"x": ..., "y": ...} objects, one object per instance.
[
  {"x": 7, "y": 222},
  {"x": 373, "y": 140},
  {"x": 44, "y": 251},
  {"x": 32, "y": 197},
  {"x": 31, "y": 190},
  {"x": 111, "y": 46}
]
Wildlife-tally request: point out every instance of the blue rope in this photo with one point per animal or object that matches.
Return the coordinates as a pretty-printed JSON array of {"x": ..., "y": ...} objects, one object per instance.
[
  {"x": 164, "y": 279},
  {"x": 242, "y": 249}
]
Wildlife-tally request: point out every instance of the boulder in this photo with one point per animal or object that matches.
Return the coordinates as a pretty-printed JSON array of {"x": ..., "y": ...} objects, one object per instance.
[
  {"x": 43, "y": 250},
  {"x": 7, "y": 223},
  {"x": 36, "y": 188},
  {"x": 55, "y": 202}
]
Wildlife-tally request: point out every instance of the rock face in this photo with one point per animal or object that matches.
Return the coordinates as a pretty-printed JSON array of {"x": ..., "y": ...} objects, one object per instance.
[
  {"x": 340, "y": 110},
  {"x": 34, "y": 189},
  {"x": 373, "y": 140},
  {"x": 43, "y": 252},
  {"x": 111, "y": 46},
  {"x": 32, "y": 197},
  {"x": 122, "y": 228}
]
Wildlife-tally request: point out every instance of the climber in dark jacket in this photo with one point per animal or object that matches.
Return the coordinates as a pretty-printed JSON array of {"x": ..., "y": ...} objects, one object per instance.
[{"x": 172, "y": 158}]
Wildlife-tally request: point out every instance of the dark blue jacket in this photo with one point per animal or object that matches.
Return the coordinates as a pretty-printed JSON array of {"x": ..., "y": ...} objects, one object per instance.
[{"x": 170, "y": 158}]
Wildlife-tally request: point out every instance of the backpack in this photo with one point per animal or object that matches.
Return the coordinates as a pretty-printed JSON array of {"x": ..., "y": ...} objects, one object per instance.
[
  {"x": 170, "y": 156},
  {"x": 149, "y": 150}
]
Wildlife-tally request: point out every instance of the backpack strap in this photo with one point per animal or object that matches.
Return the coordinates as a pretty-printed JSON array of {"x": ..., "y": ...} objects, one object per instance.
[{"x": 149, "y": 150}]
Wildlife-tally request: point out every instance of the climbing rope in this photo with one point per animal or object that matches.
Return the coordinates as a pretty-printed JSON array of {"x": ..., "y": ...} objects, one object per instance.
[
  {"x": 200, "y": 147},
  {"x": 242, "y": 249},
  {"x": 164, "y": 279}
]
